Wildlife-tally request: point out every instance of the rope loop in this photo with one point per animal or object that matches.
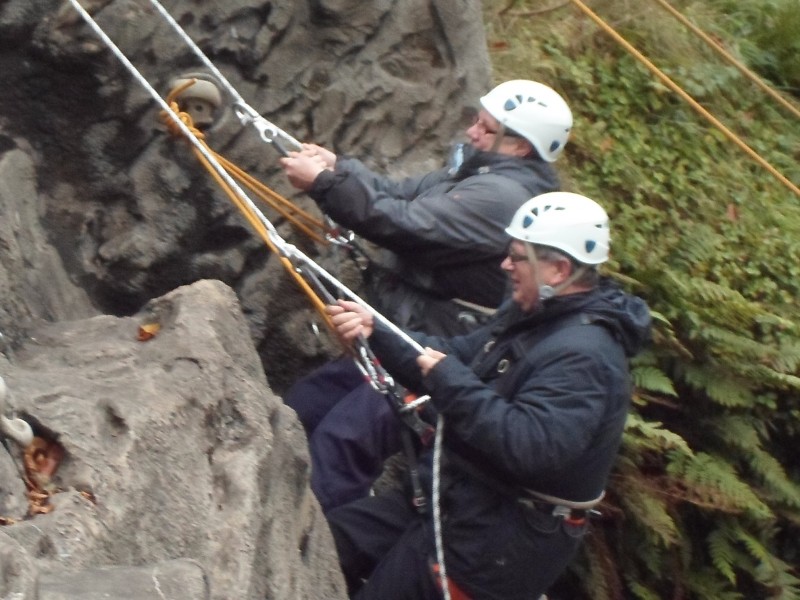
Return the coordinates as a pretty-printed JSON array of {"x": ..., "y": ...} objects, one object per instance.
[{"x": 173, "y": 128}]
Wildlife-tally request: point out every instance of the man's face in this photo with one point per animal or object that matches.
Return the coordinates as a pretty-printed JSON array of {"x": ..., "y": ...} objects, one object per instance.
[
  {"x": 483, "y": 131},
  {"x": 523, "y": 275},
  {"x": 483, "y": 134}
]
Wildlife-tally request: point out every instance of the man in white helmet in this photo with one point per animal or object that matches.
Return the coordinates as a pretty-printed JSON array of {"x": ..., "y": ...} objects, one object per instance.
[
  {"x": 533, "y": 406},
  {"x": 445, "y": 233}
]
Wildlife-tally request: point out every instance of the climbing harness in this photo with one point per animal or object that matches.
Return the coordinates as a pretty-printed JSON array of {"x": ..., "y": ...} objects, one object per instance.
[{"x": 307, "y": 273}]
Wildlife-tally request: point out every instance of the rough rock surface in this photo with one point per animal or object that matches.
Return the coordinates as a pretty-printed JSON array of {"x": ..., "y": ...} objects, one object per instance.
[
  {"x": 183, "y": 476},
  {"x": 174, "y": 448}
]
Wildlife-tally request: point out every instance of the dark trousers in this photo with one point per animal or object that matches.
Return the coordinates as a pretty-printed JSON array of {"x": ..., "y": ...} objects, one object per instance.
[
  {"x": 351, "y": 430},
  {"x": 500, "y": 550},
  {"x": 386, "y": 542}
]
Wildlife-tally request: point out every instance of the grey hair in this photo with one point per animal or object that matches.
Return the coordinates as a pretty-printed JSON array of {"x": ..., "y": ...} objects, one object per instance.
[{"x": 590, "y": 276}]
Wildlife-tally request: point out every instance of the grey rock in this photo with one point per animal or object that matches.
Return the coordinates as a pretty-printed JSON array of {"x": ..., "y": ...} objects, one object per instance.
[
  {"x": 174, "y": 447},
  {"x": 13, "y": 498},
  {"x": 170, "y": 580},
  {"x": 18, "y": 573}
]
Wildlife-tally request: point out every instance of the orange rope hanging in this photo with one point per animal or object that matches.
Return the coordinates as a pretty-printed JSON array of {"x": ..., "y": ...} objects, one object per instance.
[
  {"x": 692, "y": 102},
  {"x": 302, "y": 220},
  {"x": 715, "y": 45},
  {"x": 253, "y": 219}
]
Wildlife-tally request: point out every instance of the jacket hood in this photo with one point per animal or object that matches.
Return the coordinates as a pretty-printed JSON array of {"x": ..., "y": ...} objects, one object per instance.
[
  {"x": 533, "y": 174},
  {"x": 626, "y": 316}
]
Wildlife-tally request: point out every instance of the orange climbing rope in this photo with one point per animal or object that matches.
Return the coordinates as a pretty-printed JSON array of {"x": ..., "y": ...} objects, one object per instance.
[
  {"x": 717, "y": 47},
  {"x": 300, "y": 218},
  {"x": 691, "y": 101}
]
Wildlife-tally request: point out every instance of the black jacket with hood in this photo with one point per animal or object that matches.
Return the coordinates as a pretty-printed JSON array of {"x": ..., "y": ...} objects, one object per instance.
[
  {"x": 445, "y": 231},
  {"x": 536, "y": 401}
]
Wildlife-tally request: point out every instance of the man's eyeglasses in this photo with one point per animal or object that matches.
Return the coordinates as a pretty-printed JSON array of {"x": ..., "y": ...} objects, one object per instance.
[
  {"x": 516, "y": 257},
  {"x": 482, "y": 125}
]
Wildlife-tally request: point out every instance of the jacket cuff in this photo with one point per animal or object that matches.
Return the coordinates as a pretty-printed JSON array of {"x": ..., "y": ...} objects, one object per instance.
[
  {"x": 322, "y": 184},
  {"x": 445, "y": 380}
]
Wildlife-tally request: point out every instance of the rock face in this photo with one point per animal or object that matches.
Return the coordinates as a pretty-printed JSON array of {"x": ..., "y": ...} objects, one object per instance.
[
  {"x": 183, "y": 475},
  {"x": 174, "y": 449}
]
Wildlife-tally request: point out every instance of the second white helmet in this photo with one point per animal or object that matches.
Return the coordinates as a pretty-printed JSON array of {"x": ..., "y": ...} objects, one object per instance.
[
  {"x": 571, "y": 223},
  {"x": 534, "y": 111}
]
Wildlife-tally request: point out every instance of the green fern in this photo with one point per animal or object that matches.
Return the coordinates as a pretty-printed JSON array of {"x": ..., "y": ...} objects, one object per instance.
[
  {"x": 723, "y": 554},
  {"x": 722, "y": 387},
  {"x": 643, "y": 435},
  {"x": 703, "y": 502},
  {"x": 653, "y": 379},
  {"x": 713, "y": 483}
]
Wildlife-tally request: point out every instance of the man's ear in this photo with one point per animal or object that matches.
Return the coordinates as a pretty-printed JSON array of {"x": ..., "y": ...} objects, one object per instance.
[{"x": 565, "y": 268}]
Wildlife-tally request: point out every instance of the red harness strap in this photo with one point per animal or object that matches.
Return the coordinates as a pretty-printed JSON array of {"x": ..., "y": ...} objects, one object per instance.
[{"x": 456, "y": 593}]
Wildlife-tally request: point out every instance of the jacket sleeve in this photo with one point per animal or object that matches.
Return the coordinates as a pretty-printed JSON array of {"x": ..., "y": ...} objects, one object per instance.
[
  {"x": 550, "y": 423},
  {"x": 400, "y": 358},
  {"x": 403, "y": 189},
  {"x": 440, "y": 221}
]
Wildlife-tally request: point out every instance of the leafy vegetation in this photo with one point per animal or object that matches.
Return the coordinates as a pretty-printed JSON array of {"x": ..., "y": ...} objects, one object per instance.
[{"x": 705, "y": 500}]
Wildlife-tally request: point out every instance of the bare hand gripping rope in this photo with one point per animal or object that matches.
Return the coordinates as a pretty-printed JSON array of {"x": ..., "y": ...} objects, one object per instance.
[{"x": 295, "y": 261}]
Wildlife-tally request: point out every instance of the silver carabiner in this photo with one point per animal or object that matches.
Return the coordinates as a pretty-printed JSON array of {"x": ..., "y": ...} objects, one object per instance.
[{"x": 267, "y": 131}]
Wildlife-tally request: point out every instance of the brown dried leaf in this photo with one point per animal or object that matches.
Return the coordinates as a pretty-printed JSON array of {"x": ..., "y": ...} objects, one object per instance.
[{"x": 148, "y": 331}]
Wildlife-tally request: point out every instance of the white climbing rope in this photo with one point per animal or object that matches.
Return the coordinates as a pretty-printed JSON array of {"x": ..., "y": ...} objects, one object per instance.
[{"x": 436, "y": 502}]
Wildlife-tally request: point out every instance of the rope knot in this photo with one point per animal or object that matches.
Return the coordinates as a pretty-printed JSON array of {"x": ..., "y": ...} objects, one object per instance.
[{"x": 173, "y": 128}]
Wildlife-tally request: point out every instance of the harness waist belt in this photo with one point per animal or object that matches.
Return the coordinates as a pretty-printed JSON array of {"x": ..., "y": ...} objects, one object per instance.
[
  {"x": 535, "y": 496},
  {"x": 576, "y": 516}
]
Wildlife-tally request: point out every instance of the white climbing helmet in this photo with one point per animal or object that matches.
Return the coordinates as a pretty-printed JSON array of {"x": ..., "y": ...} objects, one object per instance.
[
  {"x": 534, "y": 111},
  {"x": 568, "y": 222}
]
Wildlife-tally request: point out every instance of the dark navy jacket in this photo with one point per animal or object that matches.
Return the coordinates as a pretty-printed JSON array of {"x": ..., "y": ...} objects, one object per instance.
[
  {"x": 535, "y": 401},
  {"x": 445, "y": 229}
]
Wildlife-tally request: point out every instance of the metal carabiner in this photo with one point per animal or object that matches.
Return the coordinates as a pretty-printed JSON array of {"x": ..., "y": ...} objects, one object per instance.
[{"x": 267, "y": 131}]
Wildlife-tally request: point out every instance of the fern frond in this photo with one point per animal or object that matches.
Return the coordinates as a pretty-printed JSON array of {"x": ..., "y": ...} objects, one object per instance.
[
  {"x": 648, "y": 504},
  {"x": 726, "y": 344},
  {"x": 767, "y": 376},
  {"x": 787, "y": 360},
  {"x": 715, "y": 301},
  {"x": 705, "y": 584},
  {"x": 780, "y": 579},
  {"x": 744, "y": 436},
  {"x": 602, "y": 581},
  {"x": 723, "y": 388},
  {"x": 640, "y": 592},
  {"x": 722, "y": 553},
  {"x": 713, "y": 483},
  {"x": 653, "y": 379},
  {"x": 647, "y": 435}
]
